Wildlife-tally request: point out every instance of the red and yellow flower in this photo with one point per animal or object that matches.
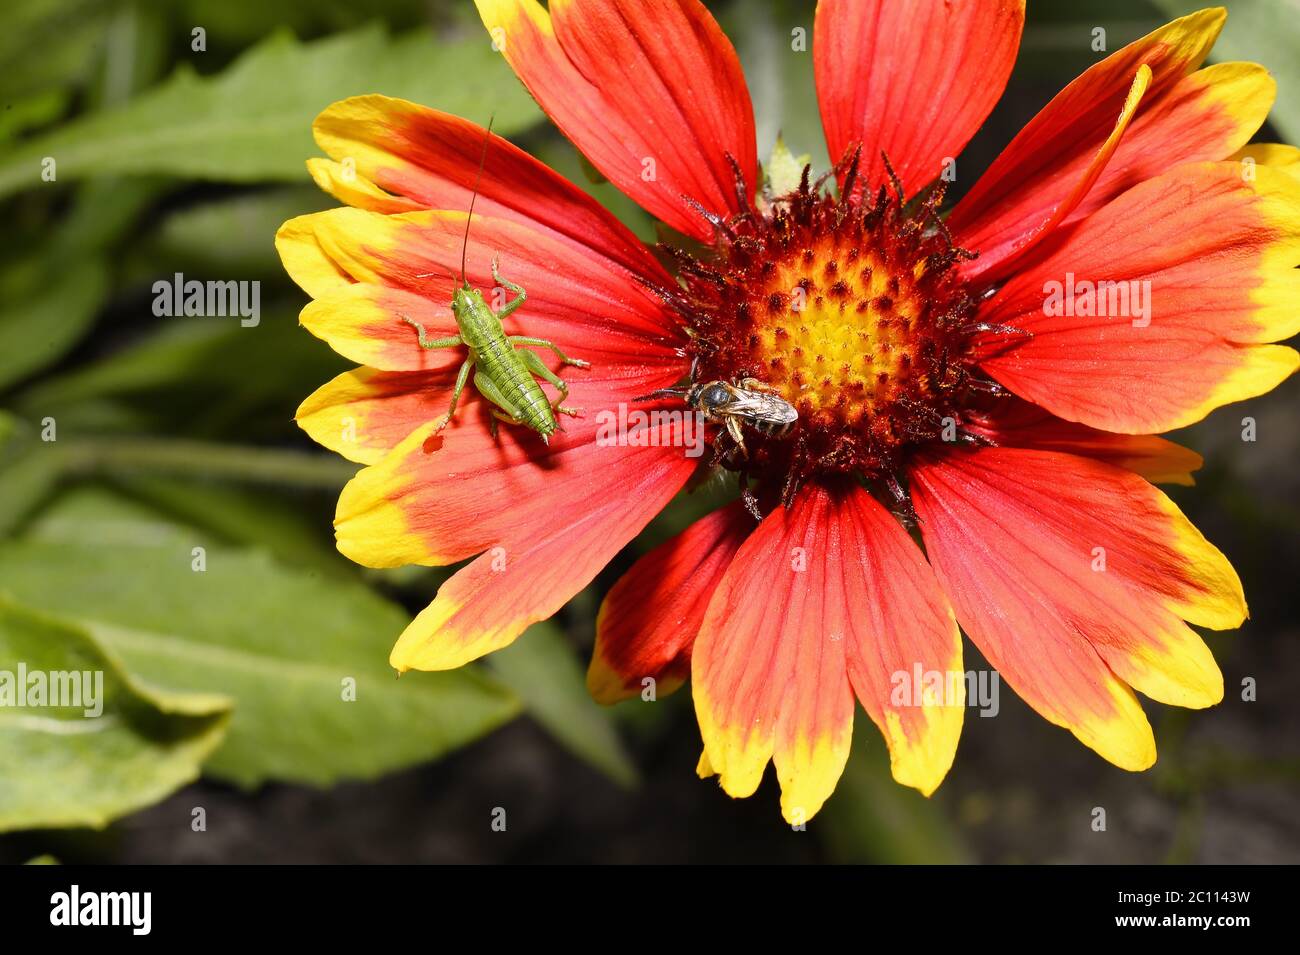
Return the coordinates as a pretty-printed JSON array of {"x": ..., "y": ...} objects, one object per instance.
[{"x": 1041, "y": 532}]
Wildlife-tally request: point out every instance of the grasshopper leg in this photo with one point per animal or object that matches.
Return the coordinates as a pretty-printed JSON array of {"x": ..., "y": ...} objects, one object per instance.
[
  {"x": 537, "y": 367},
  {"x": 462, "y": 377},
  {"x": 520, "y": 295},
  {"x": 543, "y": 343},
  {"x": 499, "y": 415},
  {"x": 503, "y": 410},
  {"x": 451, "y": 341}
]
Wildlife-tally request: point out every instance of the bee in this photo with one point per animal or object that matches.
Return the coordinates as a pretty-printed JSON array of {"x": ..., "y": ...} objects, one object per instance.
[{"x": 748, "y": 402}]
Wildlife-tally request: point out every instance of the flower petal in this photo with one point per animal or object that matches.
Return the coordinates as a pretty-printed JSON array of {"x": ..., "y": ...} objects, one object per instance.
[
  {"x": 545, "y": 524},
  {"x": 430, "y": 159},
  {"x": 1014, "y": 423},
  {"x": 465, "y": 491},
  {"x": 570, "y": 290},
  {"x": 1003, "y": 259},
  {"x": 305, "y": 261},
  {"x": 1074, "y": 578},
  {"x": 344, "y": 183},
  {"x": 363, "y": 322},
  {"x": 768, "y": 677},
  {"x": 913, "y": 80},
  {"x": 649, "y": 619},
  {"x": 901, "y": 640},
  {"x": 1212, "y": 257},
  {"x": 364, "y": 413},
  {"x": 651, "y": 91},
  {"x": 1279, "y": 156},
  {"x": 1184, "y": 116}
]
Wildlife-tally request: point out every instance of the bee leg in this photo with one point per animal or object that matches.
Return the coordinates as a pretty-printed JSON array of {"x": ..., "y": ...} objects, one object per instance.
[
  {"x": 719, "y": 452},
  {"x": 462, "y": 378},
  {"x": 520, "y": 295},
  {"x": 451, "y": 341},
  {"x": 790, "y": 489},
  {"x": 753, "y": 384},
  {"x": 733, "y": 429},
  {"x": 903, "y": 509},
  {"x": 544, "y": 343},
  {"x": 749, "y": 498}
]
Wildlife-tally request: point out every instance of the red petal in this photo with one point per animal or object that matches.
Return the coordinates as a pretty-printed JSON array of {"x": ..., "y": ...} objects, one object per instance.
[
  {"x": 1183, "y": 116},
  {"x": 1073, "y": 577},
  {"x": 769, "y": 679},
  {"x": 649, "y": 619},
  {"x": 651, "y": 92},
  {"x": 363, "y": 414},
  {"x": 545, "y": 520},
  {"x": 914, "y": 80},
  {"x": 1014, "y": 423},
  {"x": 901, "y": 640},
  {"x": 1205, "y": 261},
  {"x": 573, "y": 296},
  {"x": 432, "y": 158}
]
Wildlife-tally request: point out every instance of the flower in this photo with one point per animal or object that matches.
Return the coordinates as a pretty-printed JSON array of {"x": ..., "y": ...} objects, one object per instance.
[{"x": 969, "y": 370}]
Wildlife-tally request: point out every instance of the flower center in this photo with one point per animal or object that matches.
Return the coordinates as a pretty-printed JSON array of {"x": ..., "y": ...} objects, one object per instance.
[{"x": 853, "y": 311}]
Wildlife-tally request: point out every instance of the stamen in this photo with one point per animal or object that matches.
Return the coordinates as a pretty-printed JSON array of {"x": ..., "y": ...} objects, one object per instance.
[{"x": 848, "y": 306}]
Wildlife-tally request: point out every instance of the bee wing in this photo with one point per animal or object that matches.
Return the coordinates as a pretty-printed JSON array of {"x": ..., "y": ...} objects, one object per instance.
[{"x": 762, "y": 407}]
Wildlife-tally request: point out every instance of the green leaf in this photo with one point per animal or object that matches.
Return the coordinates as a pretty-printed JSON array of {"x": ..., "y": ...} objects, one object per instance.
[
  {"x": 1265, "y": 32},
  {"x": 51, "y": 44},
  {"x": 66, "y": 767},
  {"x": 253, "y": 121},
  {"x": 541, "y": 668},
  {"x": 281, "y": 642},
  {"x": 38, "y": 109},
  {"x": 233, "y": 236},
  {"x": 27, "y": 481},
  {"x": 204, "y": 377},
  {"x": 37, "y": 331},
  {"x": 280, "y": 522},
  {"x": 871, "y": 818}
]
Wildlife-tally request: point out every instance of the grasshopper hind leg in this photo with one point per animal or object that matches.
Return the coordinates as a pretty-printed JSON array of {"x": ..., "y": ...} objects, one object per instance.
[
  {"x": 502, "y": 409},
  {"x": 538, "y": 368}
]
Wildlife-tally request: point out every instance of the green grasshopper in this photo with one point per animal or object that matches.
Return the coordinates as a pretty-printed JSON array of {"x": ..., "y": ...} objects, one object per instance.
[{"x": 503, "y": 372}]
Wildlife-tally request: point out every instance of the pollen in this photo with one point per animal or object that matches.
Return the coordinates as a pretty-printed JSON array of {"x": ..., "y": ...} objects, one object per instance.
[{"x": 850, "y": 307}]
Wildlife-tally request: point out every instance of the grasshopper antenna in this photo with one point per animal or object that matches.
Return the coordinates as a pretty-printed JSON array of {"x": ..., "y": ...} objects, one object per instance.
[{"x": 478, "y": 178}]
